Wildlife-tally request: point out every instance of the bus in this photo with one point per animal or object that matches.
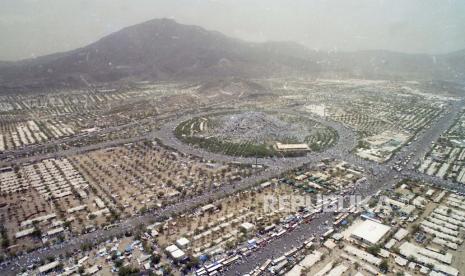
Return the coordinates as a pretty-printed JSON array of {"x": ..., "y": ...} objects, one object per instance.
[{"x": 265, "y": 265}]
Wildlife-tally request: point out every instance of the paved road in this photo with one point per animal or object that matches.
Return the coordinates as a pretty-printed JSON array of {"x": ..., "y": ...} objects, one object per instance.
[
  {"x": 347, "y": 140},
  {"x": 21, "y": 155},
  {"x": 379, "y": 176},
  {"x": 316, "y": 228}
]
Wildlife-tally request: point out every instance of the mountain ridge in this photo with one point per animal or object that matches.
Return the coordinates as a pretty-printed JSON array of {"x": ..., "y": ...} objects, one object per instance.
[{"x": 162, "y": 49}]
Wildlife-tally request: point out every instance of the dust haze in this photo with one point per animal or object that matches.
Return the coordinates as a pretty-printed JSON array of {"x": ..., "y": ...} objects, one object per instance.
[{"x": 31, "y": 28}]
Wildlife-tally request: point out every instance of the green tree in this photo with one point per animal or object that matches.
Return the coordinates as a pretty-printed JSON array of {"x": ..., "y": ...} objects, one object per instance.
[
  {"x": 374, "y": 249},
  {"x": 128, "y": 271},
  {"x": 384, "y": 266}
]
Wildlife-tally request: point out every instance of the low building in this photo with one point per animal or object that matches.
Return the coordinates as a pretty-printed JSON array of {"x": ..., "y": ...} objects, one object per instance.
[
  {"x": 178, "y": 255},
  {"x": 208, "y": 207},
  {"x": 182, "y": 242},
  {"x": 430, "y": 193},
  {"x": 38, "y": 219},
  {"x": 99, "y": 212},
  {"x": 370, "y": 232},
  {"x": 24, "y": 233},
  {"x": 400, "y": 234},
  {"x": 48, "y": 267},
  {"x": 92, "y": 270},
  {"x": 407, "y": 210},
  {"x": 291, "y": 147},
  {"x": 401, "y": 261},
  {"x": 55, "y": 231},
  {"x": 265, "y": 184},
  {"x": 175, "y": 253},
  {"x": 100, "y": 204},
  {"x": 247, "y": 227},
  {"x": 424, "y": 256},
  {"x": 76, "y": 209}
]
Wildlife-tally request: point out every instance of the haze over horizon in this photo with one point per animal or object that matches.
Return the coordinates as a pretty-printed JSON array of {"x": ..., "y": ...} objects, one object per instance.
[{"x": 31, "y": 28}]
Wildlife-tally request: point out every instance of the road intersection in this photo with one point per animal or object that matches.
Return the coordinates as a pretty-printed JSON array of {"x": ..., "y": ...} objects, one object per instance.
[{"x": 379, "y": 176}]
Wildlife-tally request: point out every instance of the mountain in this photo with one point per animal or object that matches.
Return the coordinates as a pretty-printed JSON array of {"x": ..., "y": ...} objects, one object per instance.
[
  {"x": 159, "y": 49},
  {"x": 162, "y": 49}
]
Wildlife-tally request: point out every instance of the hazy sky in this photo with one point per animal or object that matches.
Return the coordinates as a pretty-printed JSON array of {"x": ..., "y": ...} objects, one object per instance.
[{"x": 35, "y": 27}]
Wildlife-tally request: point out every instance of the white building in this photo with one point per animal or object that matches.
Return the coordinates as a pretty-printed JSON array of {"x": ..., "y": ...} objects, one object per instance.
[
  {"x": 370, "y": 232},
  {"x": 182, "y": 242},
  {"x": 24, "y": 233},
  {"x": 291, "y": 147},
  {"x": 174, "y": 252},
  {"x": 247, "y": 226},
  {"x": 48, "y": 267}
]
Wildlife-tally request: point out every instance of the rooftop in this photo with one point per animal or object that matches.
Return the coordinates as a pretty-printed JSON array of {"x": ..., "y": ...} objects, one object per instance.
[
  {"x": 280, "y": 146},
  {"x": 370, "y": 231}
]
